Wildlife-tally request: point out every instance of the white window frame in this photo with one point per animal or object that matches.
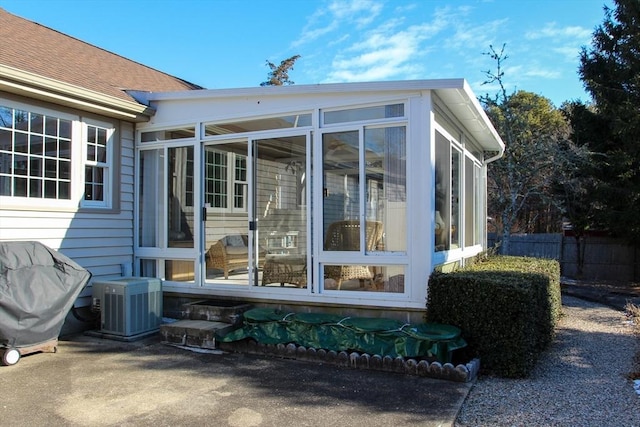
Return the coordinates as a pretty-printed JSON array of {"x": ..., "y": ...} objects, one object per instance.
[
  {"x": 230, "y": 185},
  {"x": 107, "y": 167},
  {"x": 461, "y": 250},
  {"x": 78, "y": 161}
]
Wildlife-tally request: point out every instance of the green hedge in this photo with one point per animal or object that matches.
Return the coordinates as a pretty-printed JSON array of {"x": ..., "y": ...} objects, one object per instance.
[{"x": 506, "y": 307}]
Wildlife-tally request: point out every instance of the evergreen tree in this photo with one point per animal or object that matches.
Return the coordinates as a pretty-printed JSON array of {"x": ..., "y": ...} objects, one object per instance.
[
  {"x": 610, "y": 71},
  {"x": 279, "y": 74}
]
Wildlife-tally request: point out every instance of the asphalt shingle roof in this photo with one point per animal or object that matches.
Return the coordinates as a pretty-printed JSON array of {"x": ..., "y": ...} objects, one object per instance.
[{"x": 32, "y": 47}]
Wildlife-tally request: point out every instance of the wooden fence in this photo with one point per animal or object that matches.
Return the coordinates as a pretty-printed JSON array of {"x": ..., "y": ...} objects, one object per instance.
[{"x": 605, "y": 258}]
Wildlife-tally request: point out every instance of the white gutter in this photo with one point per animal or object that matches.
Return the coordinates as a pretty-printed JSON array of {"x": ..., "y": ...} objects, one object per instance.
[{"x": 23, "y": 82}]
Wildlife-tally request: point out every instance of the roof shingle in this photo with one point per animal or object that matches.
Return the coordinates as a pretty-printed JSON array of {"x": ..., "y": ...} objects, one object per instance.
[{"x": 40, "y": 50}]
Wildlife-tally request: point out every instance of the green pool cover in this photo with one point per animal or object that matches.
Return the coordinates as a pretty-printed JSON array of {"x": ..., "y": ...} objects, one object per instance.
[{"x": 385, "y": 337}]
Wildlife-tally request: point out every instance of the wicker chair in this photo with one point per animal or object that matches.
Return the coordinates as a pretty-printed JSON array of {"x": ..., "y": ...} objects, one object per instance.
[
  {"x": 345, "y": 236},
  {"x": 228, "y": 257}
]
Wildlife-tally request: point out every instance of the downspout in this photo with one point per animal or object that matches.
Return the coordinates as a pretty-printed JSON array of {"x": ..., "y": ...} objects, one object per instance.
[{"x": 494, "y": 158}]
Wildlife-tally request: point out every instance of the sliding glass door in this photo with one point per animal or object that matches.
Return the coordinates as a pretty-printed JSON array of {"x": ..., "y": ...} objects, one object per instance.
[
  {"x": 226, "y": 214},
  {"x": 280, "y": 216},
  {"x": 255, "y": 212}
]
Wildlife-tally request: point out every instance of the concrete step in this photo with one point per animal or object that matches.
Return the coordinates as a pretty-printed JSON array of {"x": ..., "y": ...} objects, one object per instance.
[
  {"x": 194, "y": 333},
  {"x": 215, "y": 311}
]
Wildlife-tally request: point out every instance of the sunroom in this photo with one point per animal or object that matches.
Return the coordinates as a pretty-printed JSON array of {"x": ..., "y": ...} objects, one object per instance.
[{"x": 336, "y": 196}]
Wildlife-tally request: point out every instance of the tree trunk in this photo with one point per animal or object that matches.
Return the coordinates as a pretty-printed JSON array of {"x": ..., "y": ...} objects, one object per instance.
[
  {"x": 505, "y": 244},
  {"x": 580, "y": 247}
]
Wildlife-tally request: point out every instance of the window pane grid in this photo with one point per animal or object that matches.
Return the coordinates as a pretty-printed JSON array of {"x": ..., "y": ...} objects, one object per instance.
[
  {"x": 96, "y": 145},
  {"x": 215, "y": 179},
  {"x": 96, "y": 163},
  {"x": 31, "y": 145},
  {"x": 225, "y": 180},
  {"x": 94, "y": 183}
]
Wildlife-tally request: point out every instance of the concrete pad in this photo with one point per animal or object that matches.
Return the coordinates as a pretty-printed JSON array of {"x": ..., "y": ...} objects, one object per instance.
[{"x": 98, "y": 382}]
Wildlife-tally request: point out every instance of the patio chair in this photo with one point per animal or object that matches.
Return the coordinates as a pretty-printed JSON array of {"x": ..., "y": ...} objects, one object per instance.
[
  {"x": 345, "y": 236},
  {"x": 231, "y": 252}
]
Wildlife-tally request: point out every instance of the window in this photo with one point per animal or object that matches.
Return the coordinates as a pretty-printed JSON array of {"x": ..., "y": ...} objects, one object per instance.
[
  {"x": 225, "y": 187},
  {"x": 364, "y": 113},
  {"x": 35, "y": 155},
  {"x": 280, "y": 122},
  {"x": 180, "y": 212},
  {"x": 216, "y": 179},
  {"x": 168, "y": 134},
  {"x": 364, "y": 208},
  {"x": 472, "y": 198},
  {"x": 38, "y": 151},
  {"x": 457, "y": 196},
  {"x": 97, "y": 161},
  {"x": 240, "y": 183},
  {"x": 442, "y": 225}
]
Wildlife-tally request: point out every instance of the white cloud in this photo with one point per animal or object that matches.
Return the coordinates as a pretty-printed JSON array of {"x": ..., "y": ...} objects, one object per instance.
[
  {"x": 362, "y": 12},
  {"x": 337, "y": 15},
  {"x": 403, "y": 8},
  {"x": 340, "y": 40},
  {"x": 315, "y": 28},
  {"x": 570, "y": 53},
  {"x": 383, "y": 54},
  {"x": 369, "y": 42},
  {"x": 475, "y": 36},
  {"x": 551, "y": 30},
  {"x": 391, "y": 50},
  {"x": 541, "y": 73}
]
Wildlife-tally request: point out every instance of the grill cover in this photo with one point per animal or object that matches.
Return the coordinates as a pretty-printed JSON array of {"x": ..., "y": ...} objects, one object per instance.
[{"x": 38, "y": 287}]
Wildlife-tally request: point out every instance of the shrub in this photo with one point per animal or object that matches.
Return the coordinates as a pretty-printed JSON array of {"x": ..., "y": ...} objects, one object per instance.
[
  {"x": 549, "y": 299},
  {"x": 506, "y": 307}
]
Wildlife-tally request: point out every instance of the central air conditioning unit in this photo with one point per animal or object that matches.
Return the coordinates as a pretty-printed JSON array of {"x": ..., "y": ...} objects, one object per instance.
[{"x": 129, "y": 306}]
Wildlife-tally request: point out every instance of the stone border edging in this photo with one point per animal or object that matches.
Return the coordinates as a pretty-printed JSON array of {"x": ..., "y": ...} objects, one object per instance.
[{"x": 422, "y": 368}]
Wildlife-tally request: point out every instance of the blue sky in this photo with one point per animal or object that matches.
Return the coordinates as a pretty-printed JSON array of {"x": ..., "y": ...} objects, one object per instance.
[{"x": 226, "y": 43}]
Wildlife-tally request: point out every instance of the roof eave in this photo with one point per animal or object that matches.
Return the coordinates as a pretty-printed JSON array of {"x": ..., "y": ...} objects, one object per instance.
[
  {"x": 32, "y": 85},
  {"x": 470, "y": 113},
  {"x": 456, "y": 93},
  {"x": 320, "y": 88}
]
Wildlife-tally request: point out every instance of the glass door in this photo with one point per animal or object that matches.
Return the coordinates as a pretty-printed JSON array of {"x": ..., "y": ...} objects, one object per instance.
[
  {"x": 255, "y": 212},
  {"x": 226, "y": 214},
  {"x": 280, "y": 214}
]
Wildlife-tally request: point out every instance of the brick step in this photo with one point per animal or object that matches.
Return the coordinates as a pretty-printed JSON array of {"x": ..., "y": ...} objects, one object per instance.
[{"x": 194, "y": 333}]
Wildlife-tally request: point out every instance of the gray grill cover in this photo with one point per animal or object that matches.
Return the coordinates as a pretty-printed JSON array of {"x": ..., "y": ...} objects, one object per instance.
[{"x": 38, "y": 287}]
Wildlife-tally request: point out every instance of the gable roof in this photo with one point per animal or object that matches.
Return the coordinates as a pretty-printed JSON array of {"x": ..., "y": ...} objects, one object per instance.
[{"x": 33, "y": 56}]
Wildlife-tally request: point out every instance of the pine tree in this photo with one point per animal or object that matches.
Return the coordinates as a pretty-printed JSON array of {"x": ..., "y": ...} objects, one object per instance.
[
  {"x": 279, "y": 74},
  {"x": 610, "y": 71}
]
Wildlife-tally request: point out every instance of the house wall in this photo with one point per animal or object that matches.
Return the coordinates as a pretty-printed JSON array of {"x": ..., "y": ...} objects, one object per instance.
[{"x": 100, "y": 240}]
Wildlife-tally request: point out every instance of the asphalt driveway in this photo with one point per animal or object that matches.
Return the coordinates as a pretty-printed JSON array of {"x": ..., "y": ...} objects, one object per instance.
[{"x": 92, "y": 381}]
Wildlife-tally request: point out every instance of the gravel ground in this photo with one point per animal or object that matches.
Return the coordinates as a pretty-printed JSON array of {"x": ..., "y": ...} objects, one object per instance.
[{"x": 580, "y": 381}]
